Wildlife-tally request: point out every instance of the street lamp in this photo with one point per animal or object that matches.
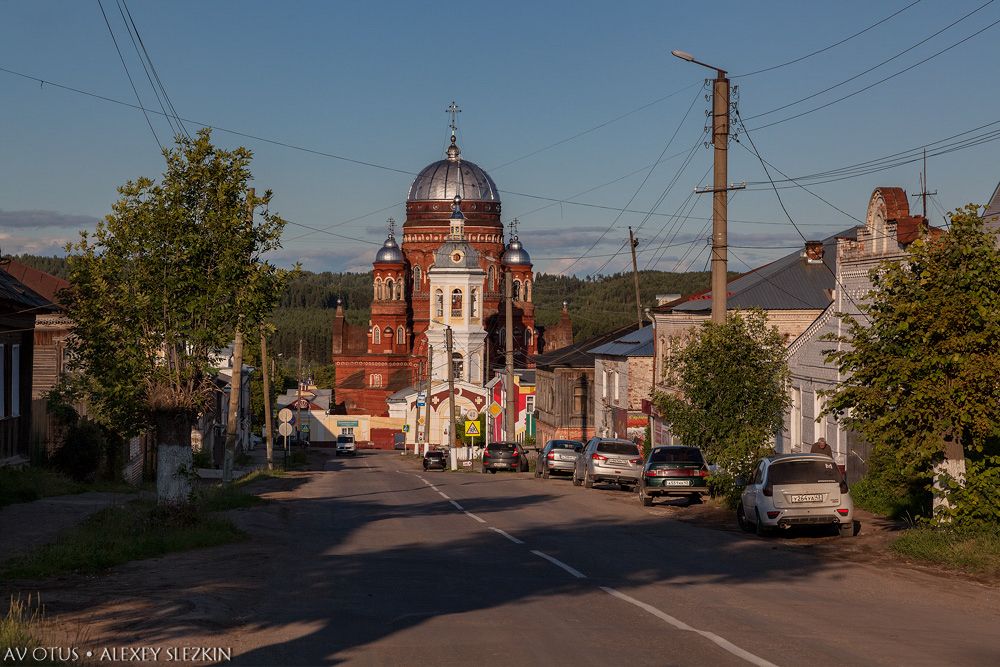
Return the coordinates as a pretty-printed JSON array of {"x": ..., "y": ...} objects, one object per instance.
[{"x": 720, "y": 203}]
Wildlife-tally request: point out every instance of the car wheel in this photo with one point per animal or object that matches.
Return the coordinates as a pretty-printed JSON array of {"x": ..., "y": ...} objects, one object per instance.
[
  {"x": 587, "y": 481},
  {"x": 493, "y": 472},
  {"x": 647, "y": 501},
  {"x": 741, "y": 518},
  {"x": 847, "y": 529},
  {"x": 760, "y": 528},
  {"x": 576, "y": 482},
  {"x": 694, "y": 499},
  {"x": 484, "y": 471}
]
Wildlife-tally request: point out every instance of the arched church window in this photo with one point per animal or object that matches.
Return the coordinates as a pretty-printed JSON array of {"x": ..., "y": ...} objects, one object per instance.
[
  {"x": 527, "y": 290},
  {"x": 377, "y": 336},
  {"x": 491, "y": 280},
  {"x": 388, "y": 335},
  {"x": 517, "y": 290},
  {"x": 457, "y": 365},
  {"x": 527, "y": 337},
  {"x": 378, "y": 289},
  {"x": 399, "y": 290},
  {"x": 456, "y": 302},
  {"x": 400, "y": 336},
  {"x": 416, "y": 278},
  {"x": 438, "y": 303},
  {"x": 474, "y": 303},
  {"x": 376, "y": 380},
  {"x": 388, "y": 288}
]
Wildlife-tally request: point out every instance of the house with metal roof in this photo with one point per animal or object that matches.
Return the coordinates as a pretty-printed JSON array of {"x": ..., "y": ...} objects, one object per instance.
[{"x": 623, "y": 374}]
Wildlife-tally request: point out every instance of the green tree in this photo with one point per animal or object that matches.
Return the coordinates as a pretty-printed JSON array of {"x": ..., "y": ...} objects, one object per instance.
[
  {"x": 729, "y": 396},
  {"x": 920, "y": 371},
  {"x": 164, "y": 281}
]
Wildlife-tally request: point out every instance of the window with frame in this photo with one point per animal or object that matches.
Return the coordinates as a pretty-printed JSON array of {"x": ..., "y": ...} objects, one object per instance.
[
  {"x": 378, "y": 289},
  {"x": 377, "y": 335},
  {"x": 604, "y": 383},
  {"x": 578, "y": 395},
  {"x": 457, "y": 365},
  {"x": 438, "y": 303},
  {"x": 516, "y": 290},
  {"x": 388, "y": 289},
  {"x": 491, "y": 280},
  {"x": 456, "y": 302},
  {"x": 617, "y": 395},
  {"x": 376, "y": 380},
  {"x": 417, "y": 276},
  {"x": 400, "y": 336},
  {"x": 474, "y": 303}
]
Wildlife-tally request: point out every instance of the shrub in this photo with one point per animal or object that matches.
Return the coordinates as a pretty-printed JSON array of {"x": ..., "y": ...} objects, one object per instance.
[
  {"x": 81, "y": 453},
  {"x": 976, "y": 503}
]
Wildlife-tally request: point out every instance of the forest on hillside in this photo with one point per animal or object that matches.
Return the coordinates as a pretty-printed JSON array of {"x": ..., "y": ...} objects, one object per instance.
[{"x": 306, "y": 310}]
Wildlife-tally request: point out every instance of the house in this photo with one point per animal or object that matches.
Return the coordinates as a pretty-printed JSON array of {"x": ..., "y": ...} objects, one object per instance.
[
  {"x": 888, "y": 230},
  {"x": 524, "y": 401},
  {"x": 19, "y": 306},
  {"x": 793, "y": 291},
  {"x": 209, "y": 431},
  {"x": 564, "y": 389},
  {"x": 623, "y": 370},
  {"x": 48, "y": 359}
]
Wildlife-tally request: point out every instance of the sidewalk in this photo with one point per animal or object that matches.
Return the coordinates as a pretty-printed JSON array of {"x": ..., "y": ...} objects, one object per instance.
[{"x": 24, "y": 526}]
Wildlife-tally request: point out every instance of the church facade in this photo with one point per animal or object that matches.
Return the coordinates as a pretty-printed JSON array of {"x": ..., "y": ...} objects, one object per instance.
[{"x": 447, "y": 275}]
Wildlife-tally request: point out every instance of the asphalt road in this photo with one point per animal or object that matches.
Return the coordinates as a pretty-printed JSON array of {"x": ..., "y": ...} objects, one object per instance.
[{"x": 384, "y": 564}]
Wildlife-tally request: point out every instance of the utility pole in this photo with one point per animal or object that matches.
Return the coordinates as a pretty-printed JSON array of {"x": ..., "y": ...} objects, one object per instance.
[
  {"x": 511, "y": 411},
  {"x": 720, "y": 189},
  {"x": 449, "y": 343},
  {"x": 268, "y": 435},
  {"x": 298, "y": 402},
  {"x": 923, "y": 185},
  {"x": 236, "y": 379},
  {"x": 427, "y": 398},
  {"x": 633, "y": 242}
]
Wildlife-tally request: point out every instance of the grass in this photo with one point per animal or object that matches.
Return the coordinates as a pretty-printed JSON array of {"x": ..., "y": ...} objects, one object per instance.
[
  {"x": 16, "y": 625},
  {"x": 895, "y": 502},
  {"x": 23, "y": 486},
  {"x": 116, "y": 535},
  {"x": 969, "y": 550}
]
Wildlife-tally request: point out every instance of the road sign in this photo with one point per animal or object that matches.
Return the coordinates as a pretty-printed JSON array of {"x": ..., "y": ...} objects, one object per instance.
[
  {"x": 304, "y": 428},
  {"x": 472, "y": 428},
  {"x": 406, "y": 428},
  {"x": 285, "y": 415},
  {"x": 285, "y": 429},
  {"x": 420, "y": 404},
  {"x": 495, "y": 409},
  {"x": 466, "y": 464},
  {"x": 301, "y": 404},
  {"x": 420, "y": 420}
]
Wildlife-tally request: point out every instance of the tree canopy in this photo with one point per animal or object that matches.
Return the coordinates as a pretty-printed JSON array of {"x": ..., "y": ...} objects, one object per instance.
[
  {"x": 730, "y": 396},
  {"x": 920, "y": 371}
]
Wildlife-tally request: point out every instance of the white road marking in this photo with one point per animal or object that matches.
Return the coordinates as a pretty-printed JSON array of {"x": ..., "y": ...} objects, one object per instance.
[
  {"x": 479, "y": 519},
  {"x": 457, "y": 506},
  {"x": 444, "y": 495},
  {"x": 725, "y": 644},
  {"x": 507, "y": 535},
  {"x": 435, "y": 488},
  {"x": 558, "y": 563}
]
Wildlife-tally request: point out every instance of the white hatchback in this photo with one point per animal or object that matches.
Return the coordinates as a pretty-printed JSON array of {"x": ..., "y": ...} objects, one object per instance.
[{"x": 789, "y": 490}]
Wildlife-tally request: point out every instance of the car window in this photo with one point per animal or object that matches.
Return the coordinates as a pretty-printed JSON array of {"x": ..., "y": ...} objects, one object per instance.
[
  {"x": 758, "y": 473},
  {"x": 620, "y": 448},
  {"x": 677, "y": 455},
  {"x": 501, "y": 446},
  {"x": 564, "y": 444},
  {"x": 435, "y": 455},
  {"x": 803, "y": 472}
]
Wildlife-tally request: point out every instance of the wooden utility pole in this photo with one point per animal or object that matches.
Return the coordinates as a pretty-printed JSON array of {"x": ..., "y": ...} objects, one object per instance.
[
  {"x": 633, "y": 242},
  {"x": 298, "y": 401},
  {"x": 720, "y": 196},
  {"x": 449, "y": 343},
  {"x": 923, "y": 185},
  {"x": 427, "y": 397},
  {"x": 236, "y": 379},
  {"x": 268, "y": 434},
  {"x": 511, "y": 412}
]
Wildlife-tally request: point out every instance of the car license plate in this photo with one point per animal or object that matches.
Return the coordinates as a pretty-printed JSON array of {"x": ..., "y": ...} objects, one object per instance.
[
  {"x": 807, "y": 498},
  {"x": 676, "y": 482},
  {"x": 501, "y": 465}
]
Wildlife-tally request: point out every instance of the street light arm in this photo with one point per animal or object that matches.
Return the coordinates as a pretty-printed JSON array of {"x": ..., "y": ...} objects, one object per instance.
[{"x": 684, "y": 55}]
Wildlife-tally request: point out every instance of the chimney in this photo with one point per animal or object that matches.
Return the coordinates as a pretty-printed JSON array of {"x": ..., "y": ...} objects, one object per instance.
[{"x": 813, "y": 252}]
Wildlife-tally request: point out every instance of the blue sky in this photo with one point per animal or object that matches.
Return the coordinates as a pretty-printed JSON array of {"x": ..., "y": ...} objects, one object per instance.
[{"x": 371, "y": 81}]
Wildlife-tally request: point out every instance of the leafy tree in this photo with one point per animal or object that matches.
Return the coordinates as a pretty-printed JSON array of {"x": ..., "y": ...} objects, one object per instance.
[
  {"x": 164, "y": 281},
  {"x": 921, "y": 372},
  {"x": 730, "y": 396}
]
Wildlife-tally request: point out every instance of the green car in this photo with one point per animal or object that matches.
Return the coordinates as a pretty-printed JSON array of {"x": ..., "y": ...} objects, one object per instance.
[{"x": 673, "y": 471}]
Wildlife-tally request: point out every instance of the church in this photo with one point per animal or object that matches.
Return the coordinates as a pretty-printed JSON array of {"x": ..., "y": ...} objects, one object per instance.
[{"x": 448, "y": 273}]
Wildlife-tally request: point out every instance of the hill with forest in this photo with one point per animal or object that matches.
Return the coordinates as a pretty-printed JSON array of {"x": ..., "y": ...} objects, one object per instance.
[{"x": 306, "y": 309}]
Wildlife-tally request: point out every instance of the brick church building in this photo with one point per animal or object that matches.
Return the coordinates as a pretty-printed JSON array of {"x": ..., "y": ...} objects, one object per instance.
[{"x": 448, "y": 273}]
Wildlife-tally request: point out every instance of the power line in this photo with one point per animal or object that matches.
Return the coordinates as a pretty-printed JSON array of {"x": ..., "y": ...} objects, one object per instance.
[
  {"x": 880, "y": 81},
  {"x": 870, "y": 69},
  {"x": 826, "y": 48},
  {"x": 129, "y": 75}
]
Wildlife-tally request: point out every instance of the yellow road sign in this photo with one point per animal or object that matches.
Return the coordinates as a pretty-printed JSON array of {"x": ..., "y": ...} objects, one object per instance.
[
  {"x": 472, "y": 428},
  {"x": 495, "y": 409},
  {"x": 420, "y": 420}
]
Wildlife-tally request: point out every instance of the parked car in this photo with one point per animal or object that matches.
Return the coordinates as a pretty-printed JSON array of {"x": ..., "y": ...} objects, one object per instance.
[
  {"x": 789, "y": 490},
  {"x": 558, "y": 456},
  {"x": 435, "y": 459},
  {"x": 504, "y": 456},
  {"x": 609, "y": 460},
  {"x": 673, "y": 471},
  {"x": 346, "y": 445}
]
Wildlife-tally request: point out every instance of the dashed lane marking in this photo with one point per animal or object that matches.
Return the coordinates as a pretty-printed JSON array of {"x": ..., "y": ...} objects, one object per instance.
[
  {"x": 558, "y": 563},
  {"x": 724, "y": 644},
  {"x": 444, "y": 495},
  {"x": 507, "y": 535},
  {"x": 479, "y": 519},
  {"x": 457, "y": 506}
]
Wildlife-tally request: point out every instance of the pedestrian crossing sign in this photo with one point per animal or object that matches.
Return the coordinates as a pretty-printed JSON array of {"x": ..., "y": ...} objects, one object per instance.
[{"x": 472, "y": 428}]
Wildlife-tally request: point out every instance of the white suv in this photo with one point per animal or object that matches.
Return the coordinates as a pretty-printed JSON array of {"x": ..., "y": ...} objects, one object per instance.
[
  {"x": 789, "y": 490},
  {"x": 345, "y": 445}
]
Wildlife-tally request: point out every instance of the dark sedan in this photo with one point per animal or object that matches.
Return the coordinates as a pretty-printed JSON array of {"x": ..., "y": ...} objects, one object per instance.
[
  {"x": 673, "y": 471},
  {"x": 435, "y": 460},
  {"x": 504, "y": 456}
]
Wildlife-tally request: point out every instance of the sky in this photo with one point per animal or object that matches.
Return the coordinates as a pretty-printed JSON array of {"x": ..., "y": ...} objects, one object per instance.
[{"x": 576, "y": 109}]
